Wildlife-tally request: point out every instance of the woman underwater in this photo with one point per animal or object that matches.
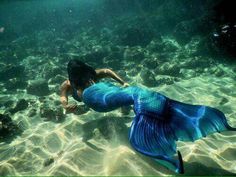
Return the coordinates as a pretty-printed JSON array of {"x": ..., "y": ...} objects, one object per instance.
[{"x": 159, "y": 121}]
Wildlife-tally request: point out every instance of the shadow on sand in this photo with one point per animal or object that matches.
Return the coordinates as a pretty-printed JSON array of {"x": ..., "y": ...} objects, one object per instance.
[{"x": 115, "y": 126}]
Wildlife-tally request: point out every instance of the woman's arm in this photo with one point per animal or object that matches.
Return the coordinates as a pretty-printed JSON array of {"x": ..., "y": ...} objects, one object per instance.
[
  {"x": 102, "y": 73},
  {"x": 65, "y": 88}
]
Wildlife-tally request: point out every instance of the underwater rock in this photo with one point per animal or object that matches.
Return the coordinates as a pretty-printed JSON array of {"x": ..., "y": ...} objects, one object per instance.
[
  {"x": 169, "y": 69},
  {"x": 16, "y": 83},
  {"x": 132, "y": 72},
  {"x": 60, "y": 41},
  {"x": 234, "y": 69},
  {"x": 133, "y": 54},
  {"x": 217, "y": 71},
  {"x": 6, "y": 102},
  {"x": 155, "y": 46},
  {"x": 35, "y": 62},
  {"x": 160, "y": 80},
  {"x": 114, "y": 57},
  {"x": 11, "y": 71},
  {"x": 8, "y": 129},
  {"x": 8, "y": 55},
  {"x": 169, "y": 45},
  {"x": 123, "y": 74},
  {"x": 32, "y": 112},
  {"x": 23, "y": 42},
  {"x": 197, "y": 62},
  {"x": 164, "y": 48},
  {"x": 151, "y": 63},
  {"x": 223, "y": 101},
  {"x": 57, "y": 79},
  {"x": 96, "y": 55},
  {"x": 52, "y": 71},
  {"x": 18, "y": 48},
  {"x": 111, "y": 62},
  {"x": 52, "y": 113},
  {"x": 22, "y": 104},
  {"x": 38, "y": 87},
  {"x": 148, "y": 78}
]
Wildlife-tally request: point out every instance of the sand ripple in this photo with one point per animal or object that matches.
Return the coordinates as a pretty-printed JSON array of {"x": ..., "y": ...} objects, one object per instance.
[{"x": 97, "y": 143}]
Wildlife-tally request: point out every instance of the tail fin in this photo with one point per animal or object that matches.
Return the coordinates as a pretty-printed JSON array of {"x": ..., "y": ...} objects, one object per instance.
[
  {"x": 154, "y": 138},
  {"x": 192, "y": 122}
]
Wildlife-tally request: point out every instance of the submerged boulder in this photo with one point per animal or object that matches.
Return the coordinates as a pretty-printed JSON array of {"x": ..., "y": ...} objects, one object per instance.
[
  {"x": 51, "y": 72},
  {"x": 134, "y": 54},
  {"x": 11, "y": 71},
  {"x": 148, "y": 78},
  {"x": 52, "y": 113},
  {"x": 16, "y": 83},
  {"x": 8, "y": 129},
  {"x": 38, "y": 87},
  {"x": 22, "y": 104}
]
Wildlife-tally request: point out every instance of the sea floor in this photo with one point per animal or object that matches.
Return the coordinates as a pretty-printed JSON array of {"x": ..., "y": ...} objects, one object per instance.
[{"x": 92, "y": 143}]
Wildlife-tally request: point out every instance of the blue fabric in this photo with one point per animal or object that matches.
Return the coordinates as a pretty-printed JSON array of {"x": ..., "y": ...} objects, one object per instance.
[{"x": 159, "y": 121}]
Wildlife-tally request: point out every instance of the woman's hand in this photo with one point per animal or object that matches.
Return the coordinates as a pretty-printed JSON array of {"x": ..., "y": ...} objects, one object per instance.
[
  {"x": 70, "y": 108},
  {"x": 125, "y": 84}
]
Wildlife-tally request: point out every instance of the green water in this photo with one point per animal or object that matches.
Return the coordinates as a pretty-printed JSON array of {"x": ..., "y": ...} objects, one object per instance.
[{"x": 168, "y": 46}]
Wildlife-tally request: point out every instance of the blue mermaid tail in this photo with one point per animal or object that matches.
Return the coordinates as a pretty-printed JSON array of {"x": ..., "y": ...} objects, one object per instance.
[{"x": 159, "y": 121}]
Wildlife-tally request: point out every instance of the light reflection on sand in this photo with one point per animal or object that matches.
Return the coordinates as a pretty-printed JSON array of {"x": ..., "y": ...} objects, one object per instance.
[{"x": 74, "y": 147}]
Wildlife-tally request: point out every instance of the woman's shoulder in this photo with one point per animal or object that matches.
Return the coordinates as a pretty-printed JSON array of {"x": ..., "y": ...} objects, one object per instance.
[
  {"x": 102, "y": 70},
  {"x": 101, "y": 73}
]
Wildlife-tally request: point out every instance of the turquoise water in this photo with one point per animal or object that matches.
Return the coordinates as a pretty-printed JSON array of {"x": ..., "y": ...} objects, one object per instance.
[{"x": 182, "y": 49}]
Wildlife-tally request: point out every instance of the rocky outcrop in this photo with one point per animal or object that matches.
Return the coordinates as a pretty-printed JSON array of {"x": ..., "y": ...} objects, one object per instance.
[
  {"x": 22, "y": 104},
  {"x": 8, "y": 129},
  {"x": 38, "y": 87},
  {"x": 10, "y": 71}
]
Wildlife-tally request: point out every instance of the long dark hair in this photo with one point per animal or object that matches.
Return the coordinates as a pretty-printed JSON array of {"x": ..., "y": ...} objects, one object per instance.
[{"x": 80, "y": 73}]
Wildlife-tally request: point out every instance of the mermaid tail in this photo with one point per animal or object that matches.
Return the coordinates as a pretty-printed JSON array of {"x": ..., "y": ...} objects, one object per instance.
[
  {"x": 159, "y": 121},
  {"x": 192, "y": 122},
  {"x": 154, "y": 138}
]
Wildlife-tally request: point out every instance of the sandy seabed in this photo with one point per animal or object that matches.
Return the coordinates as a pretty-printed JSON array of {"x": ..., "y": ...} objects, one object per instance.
[{"x": 97, "y": 143}]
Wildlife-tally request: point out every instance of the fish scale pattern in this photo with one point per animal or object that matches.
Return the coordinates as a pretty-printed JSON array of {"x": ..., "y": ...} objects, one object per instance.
[{"x": 159, "y": 121}]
